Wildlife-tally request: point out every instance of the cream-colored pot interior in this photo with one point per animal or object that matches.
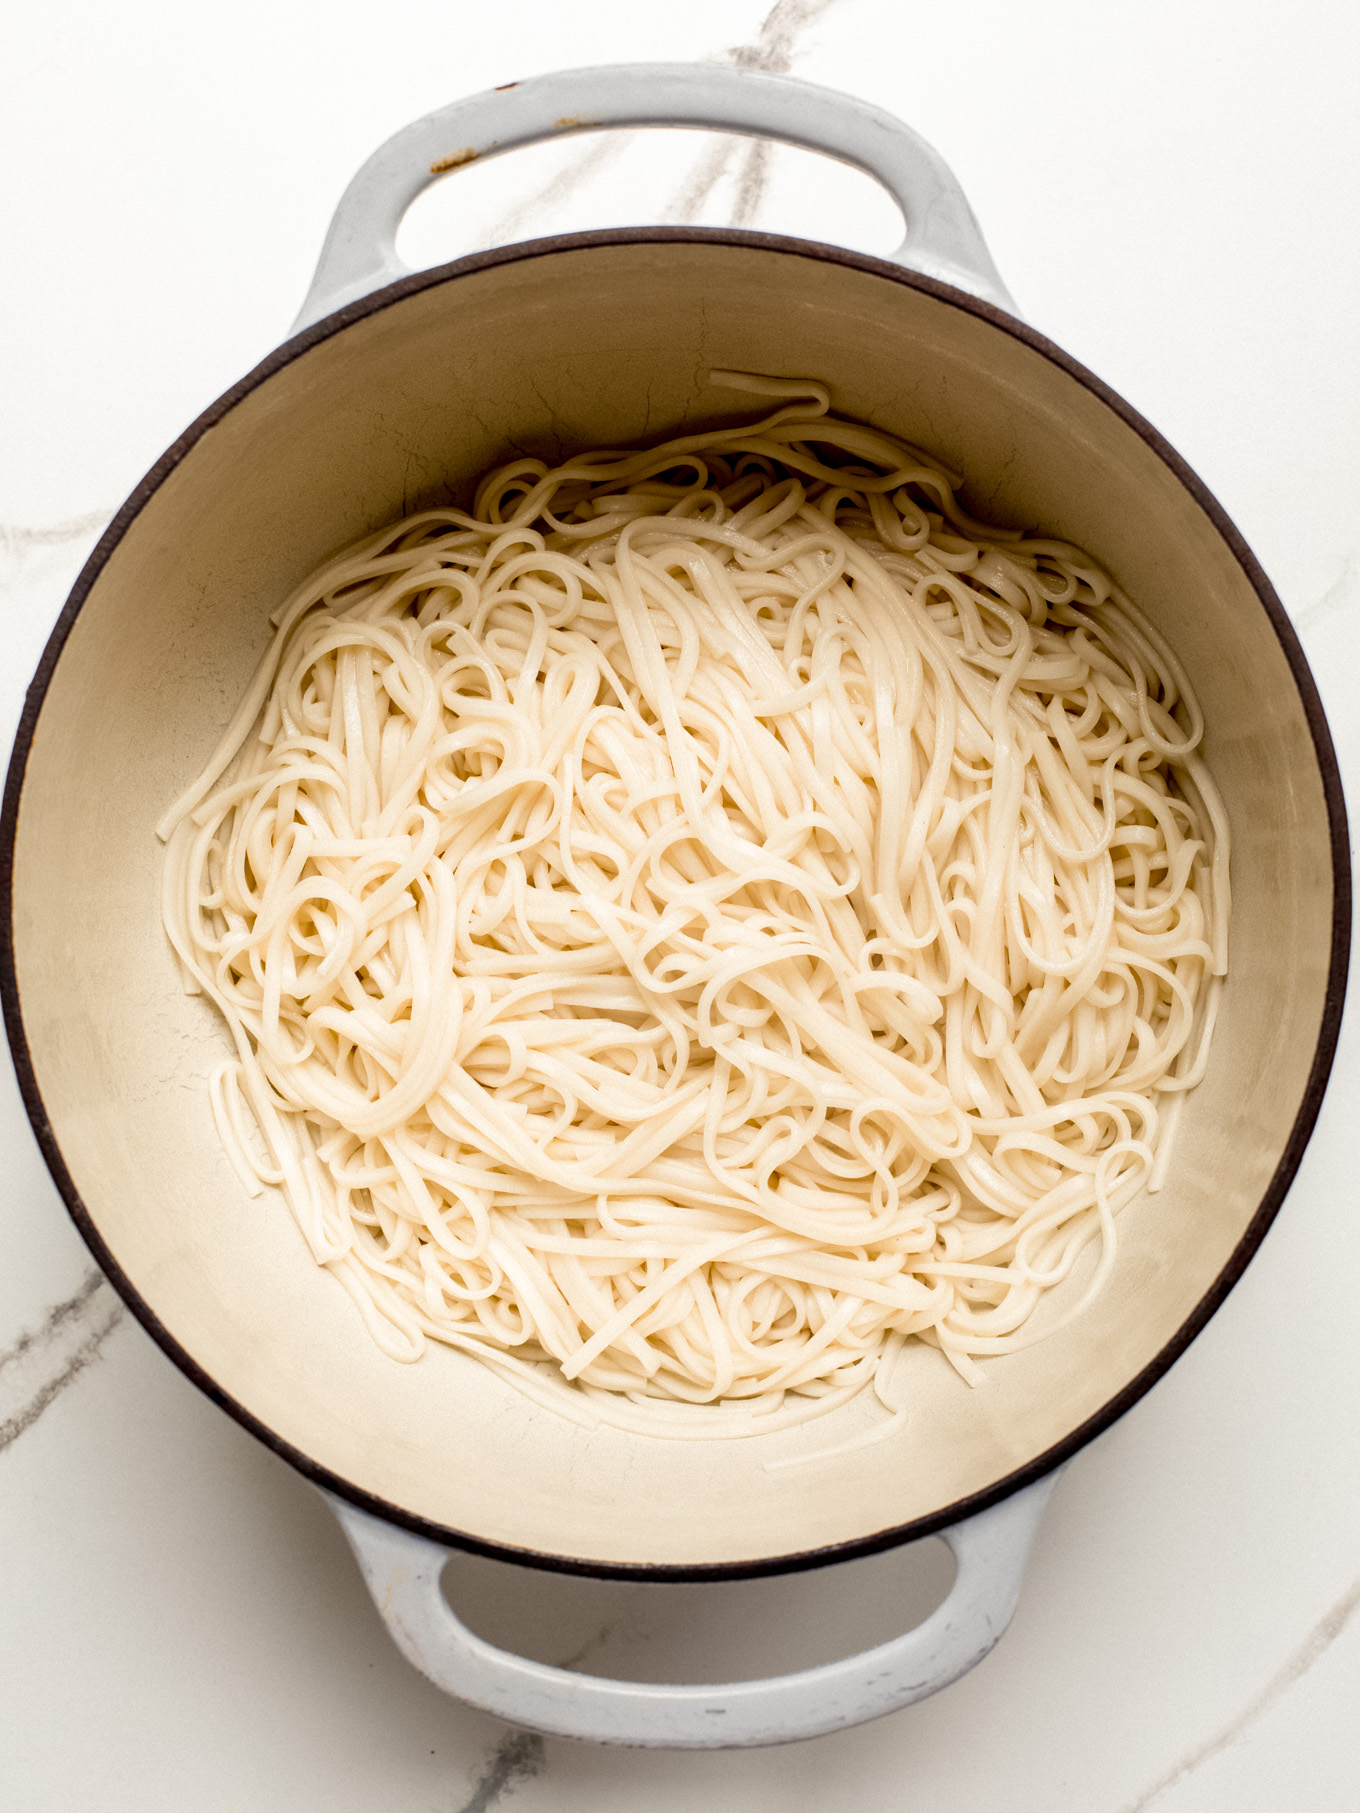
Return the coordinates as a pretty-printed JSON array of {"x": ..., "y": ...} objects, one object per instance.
[{"x": 608, "y": 343}]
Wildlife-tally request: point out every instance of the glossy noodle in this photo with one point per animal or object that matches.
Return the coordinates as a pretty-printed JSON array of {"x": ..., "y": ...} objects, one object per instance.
[{"x": 702, "y": 917}]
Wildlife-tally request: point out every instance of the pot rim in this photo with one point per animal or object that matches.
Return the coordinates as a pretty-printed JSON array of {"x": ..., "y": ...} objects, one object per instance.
[{"x": 1329, "y": 1030}]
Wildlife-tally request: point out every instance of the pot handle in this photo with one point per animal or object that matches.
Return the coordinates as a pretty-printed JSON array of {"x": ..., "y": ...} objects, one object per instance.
[
  {"x": 403, "y": 1574},
  {"x": 943, "y": 239}
]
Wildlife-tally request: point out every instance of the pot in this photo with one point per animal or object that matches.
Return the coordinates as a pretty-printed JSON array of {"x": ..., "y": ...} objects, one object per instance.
[{"x": 394, "y": 390}]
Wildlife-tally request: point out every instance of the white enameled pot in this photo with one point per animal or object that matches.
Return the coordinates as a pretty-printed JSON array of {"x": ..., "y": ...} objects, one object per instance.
[{"x": 394, "y": 391}]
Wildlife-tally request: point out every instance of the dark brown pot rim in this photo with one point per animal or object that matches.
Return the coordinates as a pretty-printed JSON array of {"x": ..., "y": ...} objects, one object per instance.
[{"x": 1304, "y": 1121}]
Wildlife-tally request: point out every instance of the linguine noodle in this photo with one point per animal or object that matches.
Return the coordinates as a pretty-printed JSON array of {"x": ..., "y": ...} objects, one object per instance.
[{"x": 704, "y": 916}]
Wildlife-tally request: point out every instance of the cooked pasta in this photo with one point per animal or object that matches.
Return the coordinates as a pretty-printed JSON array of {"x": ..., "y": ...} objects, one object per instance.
[{"x": 702, "y": 917}]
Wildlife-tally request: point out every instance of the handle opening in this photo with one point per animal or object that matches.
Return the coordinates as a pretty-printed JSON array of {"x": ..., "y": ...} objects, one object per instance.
[
  {"x": 648, "y": 176},
  {"x": 737, "y": 1630}
]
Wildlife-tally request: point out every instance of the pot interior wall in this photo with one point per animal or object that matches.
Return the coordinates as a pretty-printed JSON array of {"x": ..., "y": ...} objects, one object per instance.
[{"x": 599, "y": 345}]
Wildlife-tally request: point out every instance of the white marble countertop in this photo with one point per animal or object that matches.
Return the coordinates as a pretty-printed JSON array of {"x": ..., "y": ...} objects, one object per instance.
[{"x": 1172, "y": 189}]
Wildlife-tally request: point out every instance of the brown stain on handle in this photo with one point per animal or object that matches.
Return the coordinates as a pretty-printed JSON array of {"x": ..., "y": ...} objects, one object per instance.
[{"x": 456, "y": 159}]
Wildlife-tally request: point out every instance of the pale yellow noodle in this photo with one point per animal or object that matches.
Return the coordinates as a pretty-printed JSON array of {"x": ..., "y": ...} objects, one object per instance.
[{"x": 704, "y": 916}]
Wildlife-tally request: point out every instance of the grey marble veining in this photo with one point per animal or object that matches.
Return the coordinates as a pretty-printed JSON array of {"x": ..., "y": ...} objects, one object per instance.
[
  {"x": 46, "y": 1360},
  {"x": 1318, "y": 1641}
]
